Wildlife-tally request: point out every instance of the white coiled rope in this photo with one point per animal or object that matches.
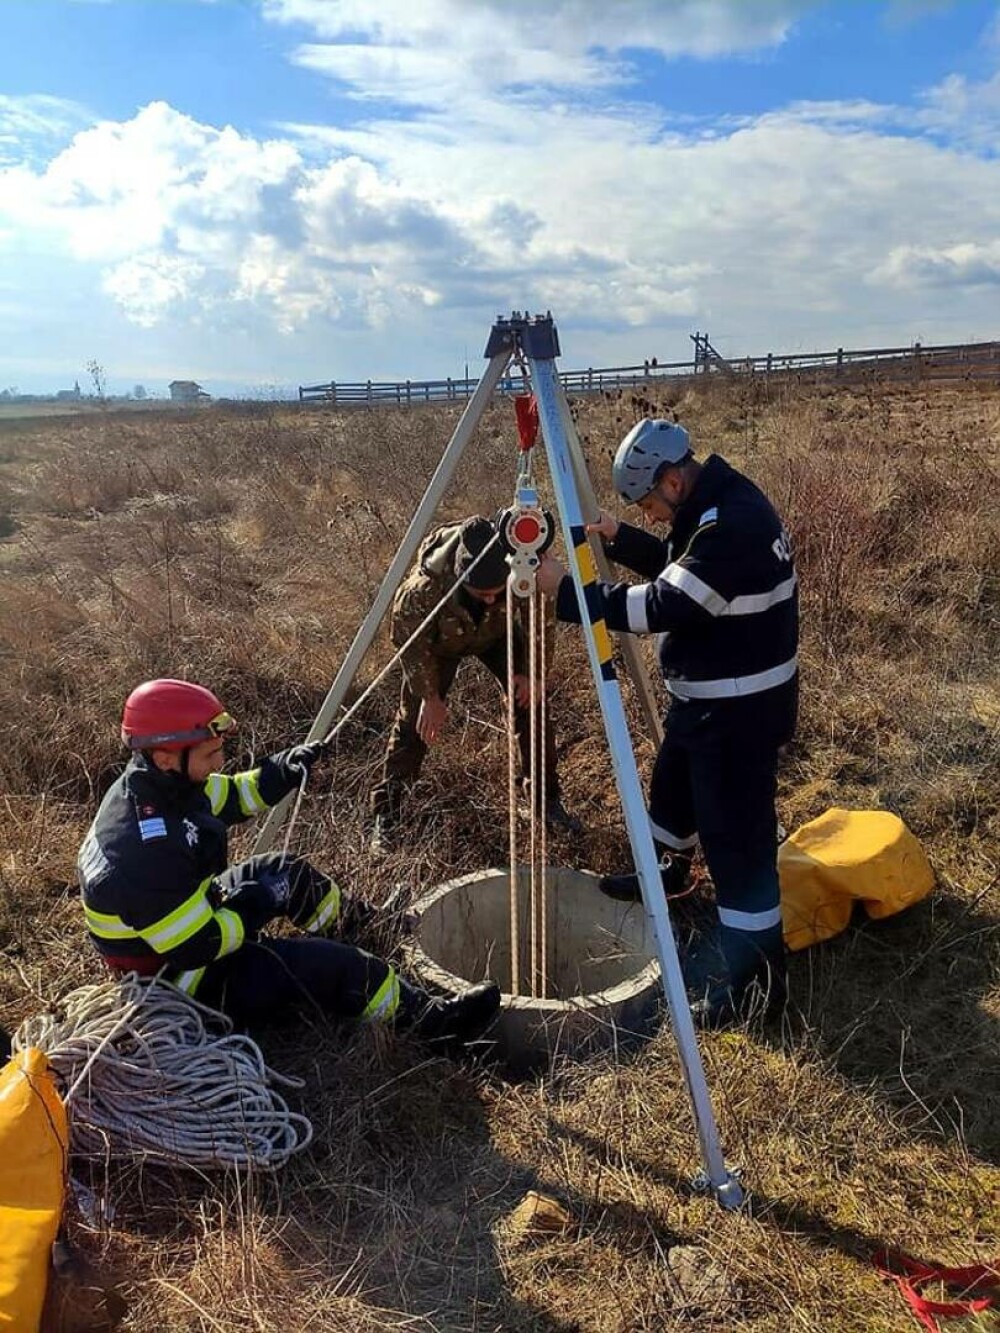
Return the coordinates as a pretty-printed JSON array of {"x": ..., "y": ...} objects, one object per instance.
[{"x": 150, "y": 1073}]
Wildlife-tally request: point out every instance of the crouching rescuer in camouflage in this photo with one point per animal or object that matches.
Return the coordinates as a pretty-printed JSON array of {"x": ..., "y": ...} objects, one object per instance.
[
  {"x": 159, "y": 894},
  {"x": 471, "y": 623}
]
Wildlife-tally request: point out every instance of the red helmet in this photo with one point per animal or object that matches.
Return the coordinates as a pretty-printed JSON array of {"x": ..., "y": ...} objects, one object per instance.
[{"x": 172, "y": 715}]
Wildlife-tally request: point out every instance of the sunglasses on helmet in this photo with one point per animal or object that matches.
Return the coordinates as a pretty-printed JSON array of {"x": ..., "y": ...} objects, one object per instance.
[{"x": 220, "y": 725}]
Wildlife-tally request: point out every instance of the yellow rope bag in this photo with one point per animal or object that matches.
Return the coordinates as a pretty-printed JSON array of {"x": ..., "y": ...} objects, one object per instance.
[
  {"x": 842, "y": 856},
  {"x": 33, "y": 1146}
]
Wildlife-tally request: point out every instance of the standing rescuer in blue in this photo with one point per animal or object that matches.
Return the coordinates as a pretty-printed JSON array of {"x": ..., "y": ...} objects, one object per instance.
[{"x": 722, "y": 595}]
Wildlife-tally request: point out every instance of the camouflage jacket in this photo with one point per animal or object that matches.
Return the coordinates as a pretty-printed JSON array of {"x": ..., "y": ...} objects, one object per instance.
[{"x": 453, "y": 632}]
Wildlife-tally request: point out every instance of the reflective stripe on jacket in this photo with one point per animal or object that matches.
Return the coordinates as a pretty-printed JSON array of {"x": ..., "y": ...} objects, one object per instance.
[
  {"x": 721, "y": 591},
  {"x": 148, "y": 864}
]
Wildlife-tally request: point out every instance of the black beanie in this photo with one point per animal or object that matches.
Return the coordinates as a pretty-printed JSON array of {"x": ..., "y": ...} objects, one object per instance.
[{"x": 492, "y": 570}]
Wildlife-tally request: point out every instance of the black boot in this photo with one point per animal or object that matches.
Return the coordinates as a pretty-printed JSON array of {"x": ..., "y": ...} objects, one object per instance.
[
  {"x": 724, "y": 1007},
  {"x": 558, "y": 819},
  {"x": 757, "y": 987},
  {"x": 674, "y": 874},
  {"x": 446, "y": 1025}
]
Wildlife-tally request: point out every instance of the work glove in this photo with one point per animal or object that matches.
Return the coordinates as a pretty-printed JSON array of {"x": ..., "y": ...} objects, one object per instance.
[
  {"x": 275, "y": 882},
  {"x": 298, "y": 761},
  {"x": 261, "y": 892}
]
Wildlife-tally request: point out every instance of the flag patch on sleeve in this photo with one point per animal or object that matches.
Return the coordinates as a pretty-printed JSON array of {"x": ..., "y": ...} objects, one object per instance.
[{"x": 152, "y": 828}]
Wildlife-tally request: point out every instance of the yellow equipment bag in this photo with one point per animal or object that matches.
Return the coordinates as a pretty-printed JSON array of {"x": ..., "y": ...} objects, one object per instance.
[
  {"x": 34, "y": 1139},
  {"x": 845, "y": 855}
]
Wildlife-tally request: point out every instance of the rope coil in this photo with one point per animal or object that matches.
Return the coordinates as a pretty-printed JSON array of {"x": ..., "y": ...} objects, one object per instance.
[{"x": 153, "y": 1074}]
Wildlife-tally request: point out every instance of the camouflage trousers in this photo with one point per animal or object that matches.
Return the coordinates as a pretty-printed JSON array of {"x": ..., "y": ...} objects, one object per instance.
[{"x": 405, "y": 753}]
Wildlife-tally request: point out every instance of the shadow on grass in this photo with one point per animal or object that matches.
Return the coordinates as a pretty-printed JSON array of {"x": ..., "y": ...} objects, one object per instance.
[
  {"x": 785, "y": 1215},
  {"x": 899, "y": 1004}
]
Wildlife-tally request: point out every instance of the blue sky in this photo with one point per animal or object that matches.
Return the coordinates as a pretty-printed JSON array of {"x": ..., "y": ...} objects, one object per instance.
[{"x": 258, "y": 193}]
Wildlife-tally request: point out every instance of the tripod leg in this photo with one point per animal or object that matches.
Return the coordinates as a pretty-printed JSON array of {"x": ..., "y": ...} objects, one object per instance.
[
  {"x": 394, "y": 575},
  {"x": 548, "y": 391},
  {"x": 634, "y": 665}
]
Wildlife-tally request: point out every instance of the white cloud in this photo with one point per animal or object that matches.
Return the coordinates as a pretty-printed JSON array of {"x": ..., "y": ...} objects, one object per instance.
[
  {"x": 430, "y": 77},
  {"x": 442, "y": 53},
  {"x": 149, "y": 285},
  {"x": 383, "y": 245},
  {"x": 964, "y": 110},
  {"x": 792, "y": 211},
  {"x": 967, "y": 264},
  {"x": 672, "y": 27},
  {"x": 158, "y": 184},
  {"x": 803, "y": 218},
  {"x": 185, "y": 219}
]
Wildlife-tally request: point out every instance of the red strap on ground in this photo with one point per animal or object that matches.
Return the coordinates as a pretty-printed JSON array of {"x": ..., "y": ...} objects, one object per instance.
[
  {"x": 526, "y": 411},
  {"x": 911, "y": 1274}
]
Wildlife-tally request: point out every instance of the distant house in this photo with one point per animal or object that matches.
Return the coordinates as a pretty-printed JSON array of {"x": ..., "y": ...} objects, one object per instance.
[
  {"x": 69, "y": 395},
  {"x": 187, "y": 391}
]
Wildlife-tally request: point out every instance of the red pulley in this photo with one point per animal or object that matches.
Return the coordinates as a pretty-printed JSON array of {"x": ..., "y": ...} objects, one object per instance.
[{"x": 526, "y": 529}]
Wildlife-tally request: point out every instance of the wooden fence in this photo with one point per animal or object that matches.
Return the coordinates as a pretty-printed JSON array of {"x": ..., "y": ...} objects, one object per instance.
[{"x": 966, "y": 361}]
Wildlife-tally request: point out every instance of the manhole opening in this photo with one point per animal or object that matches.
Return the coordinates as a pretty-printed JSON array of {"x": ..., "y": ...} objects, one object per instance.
[{"x": 594, "y": 943}]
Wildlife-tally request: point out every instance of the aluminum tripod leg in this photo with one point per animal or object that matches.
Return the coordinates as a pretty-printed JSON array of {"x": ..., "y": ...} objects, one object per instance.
[
  {"x": 548, "y": 393},
  {"x": 415, "y": 533},
  {"x": 634, "y": 665}
]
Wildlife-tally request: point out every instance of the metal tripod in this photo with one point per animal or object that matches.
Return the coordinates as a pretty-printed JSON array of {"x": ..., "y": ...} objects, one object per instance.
[{"x": 534, "y": 341}]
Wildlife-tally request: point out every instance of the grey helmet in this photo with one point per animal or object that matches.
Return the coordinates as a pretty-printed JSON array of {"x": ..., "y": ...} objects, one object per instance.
[{"x": 649, "y": 446}]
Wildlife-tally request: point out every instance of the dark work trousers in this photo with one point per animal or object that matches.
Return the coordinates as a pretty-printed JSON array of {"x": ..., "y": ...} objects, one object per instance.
[
  {"x": 714, "y": 782},
  {"x": 272, "y": 976},
  {"x": 275, "y": 978},
  {"x": 404, "y": 756},
  {"x": 314, "y": 902}
]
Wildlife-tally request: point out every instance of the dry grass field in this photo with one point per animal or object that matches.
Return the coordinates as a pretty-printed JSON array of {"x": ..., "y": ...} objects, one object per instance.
[{"x": 241, "y": 549}]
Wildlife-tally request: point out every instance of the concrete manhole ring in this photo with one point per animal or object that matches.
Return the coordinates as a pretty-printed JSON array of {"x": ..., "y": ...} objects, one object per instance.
[{"x": 604, "y": 976}]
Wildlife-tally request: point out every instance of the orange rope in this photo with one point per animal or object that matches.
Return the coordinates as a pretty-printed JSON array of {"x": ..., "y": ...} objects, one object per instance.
[{"x": 515, "y": 934}]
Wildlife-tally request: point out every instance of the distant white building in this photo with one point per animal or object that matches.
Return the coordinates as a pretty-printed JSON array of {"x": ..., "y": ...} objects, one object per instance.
[{"x": 187, "y": 391}]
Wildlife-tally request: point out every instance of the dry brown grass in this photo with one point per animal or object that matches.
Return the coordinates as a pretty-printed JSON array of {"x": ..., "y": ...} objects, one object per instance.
[{"x": 242, "y": 549}]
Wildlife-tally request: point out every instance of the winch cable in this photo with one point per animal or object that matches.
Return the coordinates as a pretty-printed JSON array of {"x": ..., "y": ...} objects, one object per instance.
[
  {"x": 534, "y": 795},
  {"x": 533, "y": 789},
  {"x": 537, "y": 838},
  {"x": 540, "y": 807},
  {"x": 152, "y": 1074}
]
